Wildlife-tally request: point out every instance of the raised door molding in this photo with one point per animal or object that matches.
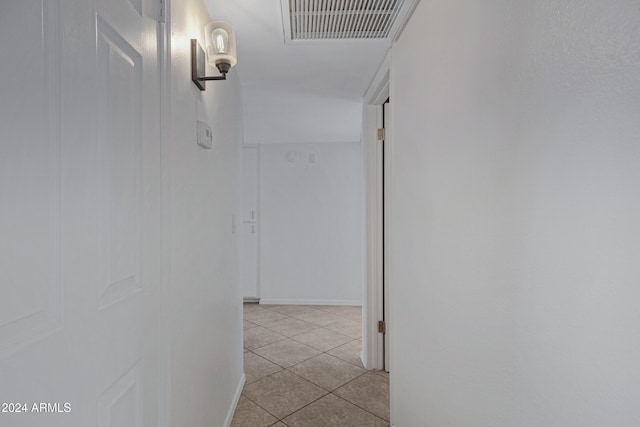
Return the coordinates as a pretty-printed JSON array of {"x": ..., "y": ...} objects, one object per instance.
[
  {"x": 30, "y": 270},
  {"x": 120, "y": 177}
]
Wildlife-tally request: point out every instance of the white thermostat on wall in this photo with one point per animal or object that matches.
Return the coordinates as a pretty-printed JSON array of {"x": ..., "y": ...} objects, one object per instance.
[{"x": 205, "y": 136}]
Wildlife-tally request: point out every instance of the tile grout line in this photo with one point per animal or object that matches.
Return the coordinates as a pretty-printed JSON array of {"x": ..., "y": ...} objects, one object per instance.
[
  {"x": 314, "y": 401},
  {"x": 264, "y": 409},
  {"x": 288, "y": 369},
  {"x": 317, "y": 349},
  {"x": 270, "y": 361},
  {"x": 332, "y": 393},
  {"x": 320, "y": 310},
  {"x": 321, "y": 352},
  {"x": 357, "y": 406},
  {"x": 292, "y": 337},
  {"x": 305, "y": 380}
]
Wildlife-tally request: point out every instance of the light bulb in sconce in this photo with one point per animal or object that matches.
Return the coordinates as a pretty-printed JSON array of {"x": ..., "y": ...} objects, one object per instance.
[
  {"x": 221, "y": 45},
  {"x": 220, "y": 48},
  {"x": 220, "y": 42}
]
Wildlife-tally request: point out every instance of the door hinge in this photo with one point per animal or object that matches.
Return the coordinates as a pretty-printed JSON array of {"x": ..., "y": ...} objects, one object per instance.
[
  {"x": 380, "y": 134},
  {"x": 162, "y": 17},
  {"x": 382, "y": 326}
]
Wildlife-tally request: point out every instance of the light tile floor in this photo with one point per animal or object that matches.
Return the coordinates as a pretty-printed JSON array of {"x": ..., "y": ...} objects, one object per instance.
[{"x": 303, "y": 369}]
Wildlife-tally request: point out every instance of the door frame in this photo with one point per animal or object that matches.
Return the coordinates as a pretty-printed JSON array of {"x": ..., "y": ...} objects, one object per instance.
[
  {"x": 376, "y": 217},
  {"x": 164, "y": 65}
]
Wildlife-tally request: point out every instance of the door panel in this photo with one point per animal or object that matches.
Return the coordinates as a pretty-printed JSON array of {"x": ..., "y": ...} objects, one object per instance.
[
  {"x": 119, "y": 122},
  {"x": 30, "y": 309},
  {"x": 121, "y": 404},
  {"x": 80, "y": 212},
  {"x": 127, "y": 185}
]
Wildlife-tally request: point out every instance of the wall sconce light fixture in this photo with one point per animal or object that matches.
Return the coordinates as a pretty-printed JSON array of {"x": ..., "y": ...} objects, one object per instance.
[{"x": 220, "y": 42}]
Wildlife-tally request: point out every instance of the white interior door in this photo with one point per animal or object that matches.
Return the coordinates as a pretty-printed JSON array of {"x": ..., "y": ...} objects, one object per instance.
[
  {"x": 250, "y": 256},
  {"x": 79, "y": 206}
]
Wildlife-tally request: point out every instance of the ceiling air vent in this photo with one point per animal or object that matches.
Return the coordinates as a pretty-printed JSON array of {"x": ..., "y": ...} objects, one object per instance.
[{"x": 306, "y": 20}]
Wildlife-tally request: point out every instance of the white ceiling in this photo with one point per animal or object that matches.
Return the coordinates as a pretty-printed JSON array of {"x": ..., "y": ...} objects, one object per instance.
[{"x": 340, "y": 69}]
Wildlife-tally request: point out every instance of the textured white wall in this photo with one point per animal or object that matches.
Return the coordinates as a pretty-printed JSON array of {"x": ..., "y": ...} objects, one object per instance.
[
  {"x": 206, "y": 309},
  {"x": 515, "y": 250},
  {"x": 274, "y": 115},
  {"x": 311, "y": 223}
]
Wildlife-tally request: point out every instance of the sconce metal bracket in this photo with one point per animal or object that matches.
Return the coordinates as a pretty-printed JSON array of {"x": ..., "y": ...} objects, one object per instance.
[{"x": 198, "y": 66}]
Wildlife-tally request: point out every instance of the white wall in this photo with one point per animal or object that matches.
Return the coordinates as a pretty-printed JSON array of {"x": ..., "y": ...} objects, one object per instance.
[
  {"x": 515, "y": 235},
  {"x": 311, "y": 223},
  {"x": 206, "y": 309},
  {"x": 292, "y": 115}
]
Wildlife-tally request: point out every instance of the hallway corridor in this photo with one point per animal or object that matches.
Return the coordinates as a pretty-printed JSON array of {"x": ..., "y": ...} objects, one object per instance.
[{"x": 303, "y": 369}]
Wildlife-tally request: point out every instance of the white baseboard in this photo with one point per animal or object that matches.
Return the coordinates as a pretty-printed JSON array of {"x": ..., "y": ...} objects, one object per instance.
[
  {"x": 309, "y": 302},
  {"x": 234, "y": 403}
]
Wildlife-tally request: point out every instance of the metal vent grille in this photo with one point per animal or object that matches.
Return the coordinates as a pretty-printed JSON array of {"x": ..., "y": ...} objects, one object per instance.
[{"x": 342, "y": 19}]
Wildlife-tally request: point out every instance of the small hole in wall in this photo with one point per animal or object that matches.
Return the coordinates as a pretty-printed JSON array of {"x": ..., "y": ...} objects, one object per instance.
[{"x": 292, "y": 156}]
